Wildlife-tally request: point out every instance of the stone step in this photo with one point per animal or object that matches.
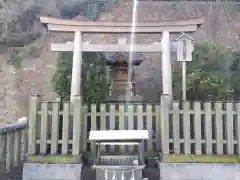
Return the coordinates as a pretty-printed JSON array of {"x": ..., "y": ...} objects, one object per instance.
[
  {"x": 14, "y": 173},
  {"x": 151, "y": 173},
  {"x": 88, "y": 173}
]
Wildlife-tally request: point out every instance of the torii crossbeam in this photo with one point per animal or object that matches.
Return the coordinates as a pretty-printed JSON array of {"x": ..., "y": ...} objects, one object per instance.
[
  {"x": 153, "y": 27},
  {"x": 87, "y": 47}
]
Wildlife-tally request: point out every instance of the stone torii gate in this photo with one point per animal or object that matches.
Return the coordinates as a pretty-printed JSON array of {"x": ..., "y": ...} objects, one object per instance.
[{"x": 78, "y": 46}]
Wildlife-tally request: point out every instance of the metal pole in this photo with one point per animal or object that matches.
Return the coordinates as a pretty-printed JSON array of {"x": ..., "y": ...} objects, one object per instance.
[{"x": 184, "y": 81}]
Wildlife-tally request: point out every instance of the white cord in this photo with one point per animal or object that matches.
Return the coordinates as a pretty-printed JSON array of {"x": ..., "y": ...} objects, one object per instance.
[
  {"x": 132, "y": 177},
  {"x": 122, "y": 177},
  {"x": 114, "y": 176},
  {"x": 114, "y": 170},
  {"x": 106, "y": 175}
]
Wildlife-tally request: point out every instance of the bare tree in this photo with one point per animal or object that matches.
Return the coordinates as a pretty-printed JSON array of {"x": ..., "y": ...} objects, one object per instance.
[{"x": 17, "y": 24}]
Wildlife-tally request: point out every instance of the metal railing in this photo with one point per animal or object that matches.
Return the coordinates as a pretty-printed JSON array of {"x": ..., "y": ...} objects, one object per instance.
[{"x": 13, "y": 144}]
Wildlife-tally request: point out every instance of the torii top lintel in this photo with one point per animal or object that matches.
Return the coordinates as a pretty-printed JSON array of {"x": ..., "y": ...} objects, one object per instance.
[{"x": 176, "y": 26}]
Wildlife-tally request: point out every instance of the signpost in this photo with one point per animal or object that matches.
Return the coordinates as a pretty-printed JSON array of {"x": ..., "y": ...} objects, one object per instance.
[{"x": 184, "y": 55}]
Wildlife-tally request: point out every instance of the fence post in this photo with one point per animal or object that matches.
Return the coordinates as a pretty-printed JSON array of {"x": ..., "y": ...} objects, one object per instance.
[
  {"x": 84, "y": 128},
  {"x": 10, "y": 149},
  {"x": 77, "y": 118},
  {"x": 164, "y": 124},
  {"x": 33, "y": 107},
  {"x": 56, "y": 127},
  {"x": 158, "y": 127}
]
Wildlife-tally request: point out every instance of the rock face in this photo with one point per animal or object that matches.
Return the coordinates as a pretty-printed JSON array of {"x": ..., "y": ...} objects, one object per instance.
[
  {"x": 17, "y": 84},
  {"x": 222, "y": 25}
]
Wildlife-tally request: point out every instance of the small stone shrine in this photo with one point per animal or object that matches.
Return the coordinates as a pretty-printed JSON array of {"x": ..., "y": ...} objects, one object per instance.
[{"x": 122, "y": 87}]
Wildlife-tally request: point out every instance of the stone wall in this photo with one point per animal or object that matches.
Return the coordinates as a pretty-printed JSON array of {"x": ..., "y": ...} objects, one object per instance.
[
  {"x": 37, "y": 171},
  {"x": 196, "y": 171}
]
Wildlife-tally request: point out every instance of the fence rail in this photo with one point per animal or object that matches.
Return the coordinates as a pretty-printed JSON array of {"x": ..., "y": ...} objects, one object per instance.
[
  {"x": 201, "y": 128},
  {"x": 122, "y": 117},
  {"x": 54, "y": 126},
  {"x": 179, "y": 128},
  {"x": 13, "y": 144}
]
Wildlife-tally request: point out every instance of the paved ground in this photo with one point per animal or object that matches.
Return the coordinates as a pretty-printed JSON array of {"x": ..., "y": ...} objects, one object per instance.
[{"x": 14, "y": 174}]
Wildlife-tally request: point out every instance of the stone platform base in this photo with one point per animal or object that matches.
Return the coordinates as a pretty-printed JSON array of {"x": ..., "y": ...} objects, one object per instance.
[
  {"x": 196, "y": 171},
  {"x": 37, "y": 171}
]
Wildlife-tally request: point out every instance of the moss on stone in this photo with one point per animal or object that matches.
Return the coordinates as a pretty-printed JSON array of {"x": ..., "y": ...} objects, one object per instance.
[
  {"x": 54, "y": 159},
  {"x": 201, "y": 158}
]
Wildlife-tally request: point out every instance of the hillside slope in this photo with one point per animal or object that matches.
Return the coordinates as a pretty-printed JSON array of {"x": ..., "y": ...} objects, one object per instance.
[{"x": 35, "y": 69}]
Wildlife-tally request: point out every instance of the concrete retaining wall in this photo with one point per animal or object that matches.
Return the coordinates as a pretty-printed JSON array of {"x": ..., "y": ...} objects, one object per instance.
[
  {"x": 168, "y": 171},
  {"x": 196, "y": 171},
  {"x": 36, "y": 171}
]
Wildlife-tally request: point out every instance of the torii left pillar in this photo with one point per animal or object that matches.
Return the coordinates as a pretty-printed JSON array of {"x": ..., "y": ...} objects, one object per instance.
[
  {"x": 166, "y": 65},
  {"x": 76, "y": 66}
]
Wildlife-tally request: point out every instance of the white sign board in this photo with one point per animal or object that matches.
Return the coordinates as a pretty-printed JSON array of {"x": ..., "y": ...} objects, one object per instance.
[
  {"x": 118, "y": 135},
  {"x": 184, "y": 48}
]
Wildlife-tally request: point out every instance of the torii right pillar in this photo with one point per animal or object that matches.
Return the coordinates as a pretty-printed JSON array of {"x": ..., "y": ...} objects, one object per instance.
[{"x": 166, "y": 65}]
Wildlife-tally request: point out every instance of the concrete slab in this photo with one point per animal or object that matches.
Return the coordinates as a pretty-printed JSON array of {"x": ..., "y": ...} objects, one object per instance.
[
  {"x": 37, "y": 171},
  {"x": 196, "y": 171}
]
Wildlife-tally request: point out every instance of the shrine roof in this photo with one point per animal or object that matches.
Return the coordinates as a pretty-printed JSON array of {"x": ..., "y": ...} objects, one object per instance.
[
  {"x": 123, "y": 58},
  {"x": 125, "y": 62}
]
